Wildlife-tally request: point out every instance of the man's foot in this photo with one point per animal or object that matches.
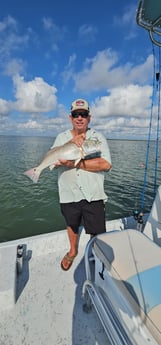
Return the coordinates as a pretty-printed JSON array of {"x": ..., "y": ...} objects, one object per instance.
[{"x": 67, "y": 261}]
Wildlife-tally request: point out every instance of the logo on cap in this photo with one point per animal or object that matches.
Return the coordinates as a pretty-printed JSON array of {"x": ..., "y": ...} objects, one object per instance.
[{"x": 80, "y": 103}]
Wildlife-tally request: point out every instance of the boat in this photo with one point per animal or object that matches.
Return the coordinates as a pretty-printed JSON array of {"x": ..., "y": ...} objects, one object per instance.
[
  {"x": 40, "y": 303},
  {"x": 112, "y": 293},
  {"x": 123, "y": 281}
]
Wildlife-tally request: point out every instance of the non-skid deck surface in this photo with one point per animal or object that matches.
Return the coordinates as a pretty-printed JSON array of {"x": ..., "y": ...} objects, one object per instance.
[{"x": 48, "y": 310}]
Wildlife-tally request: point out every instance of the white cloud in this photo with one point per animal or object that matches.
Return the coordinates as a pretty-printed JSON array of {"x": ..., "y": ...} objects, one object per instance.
[
  {"x": 10, "y": 40},
  {"x": 57, "y": 32},
  {"x": 103, "y": 72},
  {"x": 87, "y": 33},
  {"x": 14, "y": 67},
  {"x": 30, "y": 125},
  {"x": 5, "y": 107},
  {"x": 8, "y": 22},
  {"x": 34, "y": 96},
  {"x": 122, "y": 108},
  {"x": 130, "y": 100},
  {"x": 128, "y": 19},
  {"x": 124, "y": 112},
  {"x": 43, "y": 125},
  {"x": 128, "y": 16}
]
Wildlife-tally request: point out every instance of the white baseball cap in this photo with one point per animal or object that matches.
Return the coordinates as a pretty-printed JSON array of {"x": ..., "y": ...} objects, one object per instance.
[{"x": 79, "y": 104}]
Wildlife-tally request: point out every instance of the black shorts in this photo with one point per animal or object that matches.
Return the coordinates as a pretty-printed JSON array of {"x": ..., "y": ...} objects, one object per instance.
[{"x": 89, "y": 214}]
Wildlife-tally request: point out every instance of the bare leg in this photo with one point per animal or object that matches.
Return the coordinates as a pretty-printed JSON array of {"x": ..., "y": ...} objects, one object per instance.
[
  {"x": 69, "y": 257},
  {"x": 73, "y": 240}
]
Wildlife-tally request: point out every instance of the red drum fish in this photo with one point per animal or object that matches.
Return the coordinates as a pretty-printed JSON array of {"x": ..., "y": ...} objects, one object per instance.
[{"x": 69, "y": 151}]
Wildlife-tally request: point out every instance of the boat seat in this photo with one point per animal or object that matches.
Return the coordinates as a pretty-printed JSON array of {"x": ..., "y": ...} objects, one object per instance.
[
  {"x": 7, "y": 276},
  {"x": 134, "y": 263},
  {"x": 152, "y": 227},
  {"x": 119, "y": 252},
  {"x": 149, "y": 17}
]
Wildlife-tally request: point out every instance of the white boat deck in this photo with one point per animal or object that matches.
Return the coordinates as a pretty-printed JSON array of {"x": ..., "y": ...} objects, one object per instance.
[
  {"x": 43, "y": 305},
  {"x": 48, "y": 307}
]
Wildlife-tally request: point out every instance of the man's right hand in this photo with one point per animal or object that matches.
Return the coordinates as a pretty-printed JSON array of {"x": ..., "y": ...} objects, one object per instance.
[{"x": 79, "y": 139}]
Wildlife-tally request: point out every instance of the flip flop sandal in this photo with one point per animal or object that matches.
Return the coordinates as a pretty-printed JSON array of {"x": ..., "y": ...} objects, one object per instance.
[{"x": 69, "y": 260}]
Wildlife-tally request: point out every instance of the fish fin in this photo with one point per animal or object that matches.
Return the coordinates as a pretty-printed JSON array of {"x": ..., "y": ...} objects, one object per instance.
[
  {"x": 77, "y": 161},
  {"x": 51, "y": 167},
  {"x": 33, "y": 174}
]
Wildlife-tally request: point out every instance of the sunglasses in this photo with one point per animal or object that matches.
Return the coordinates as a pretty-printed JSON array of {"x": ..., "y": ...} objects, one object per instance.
[{"x": 83, "y": 114}]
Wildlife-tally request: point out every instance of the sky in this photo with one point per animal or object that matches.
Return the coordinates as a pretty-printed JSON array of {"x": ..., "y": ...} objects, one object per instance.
[{"x": 53, "y": 52}]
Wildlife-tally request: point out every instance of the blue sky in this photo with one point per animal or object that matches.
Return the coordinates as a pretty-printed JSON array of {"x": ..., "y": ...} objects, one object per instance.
[{"x": 52, "y": 52}]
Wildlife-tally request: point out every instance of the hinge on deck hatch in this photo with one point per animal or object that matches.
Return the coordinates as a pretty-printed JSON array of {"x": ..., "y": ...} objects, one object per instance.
[{"x": 101, "y": 273}]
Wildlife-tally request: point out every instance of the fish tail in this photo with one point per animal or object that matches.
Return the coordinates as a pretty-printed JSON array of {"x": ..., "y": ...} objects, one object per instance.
[{"x": 33, "y": 174}]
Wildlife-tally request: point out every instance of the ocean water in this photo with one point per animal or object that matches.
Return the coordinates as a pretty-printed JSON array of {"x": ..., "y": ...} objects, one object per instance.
[{"x": 28, "y": 209}]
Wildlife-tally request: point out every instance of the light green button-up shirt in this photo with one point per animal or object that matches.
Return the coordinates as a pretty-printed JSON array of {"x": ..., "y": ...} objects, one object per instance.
[{"x": 77, "y": 184}]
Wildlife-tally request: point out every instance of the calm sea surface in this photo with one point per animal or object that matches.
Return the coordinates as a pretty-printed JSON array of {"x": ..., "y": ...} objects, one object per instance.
[{"x": 29, "y": 209}]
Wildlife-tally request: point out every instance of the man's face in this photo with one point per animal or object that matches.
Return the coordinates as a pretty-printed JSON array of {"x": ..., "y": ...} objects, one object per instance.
[{"x": 80, "y": 120}]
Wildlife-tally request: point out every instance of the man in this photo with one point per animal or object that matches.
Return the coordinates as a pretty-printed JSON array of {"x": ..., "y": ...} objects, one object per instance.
[{"x": 81, "y": 188}]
